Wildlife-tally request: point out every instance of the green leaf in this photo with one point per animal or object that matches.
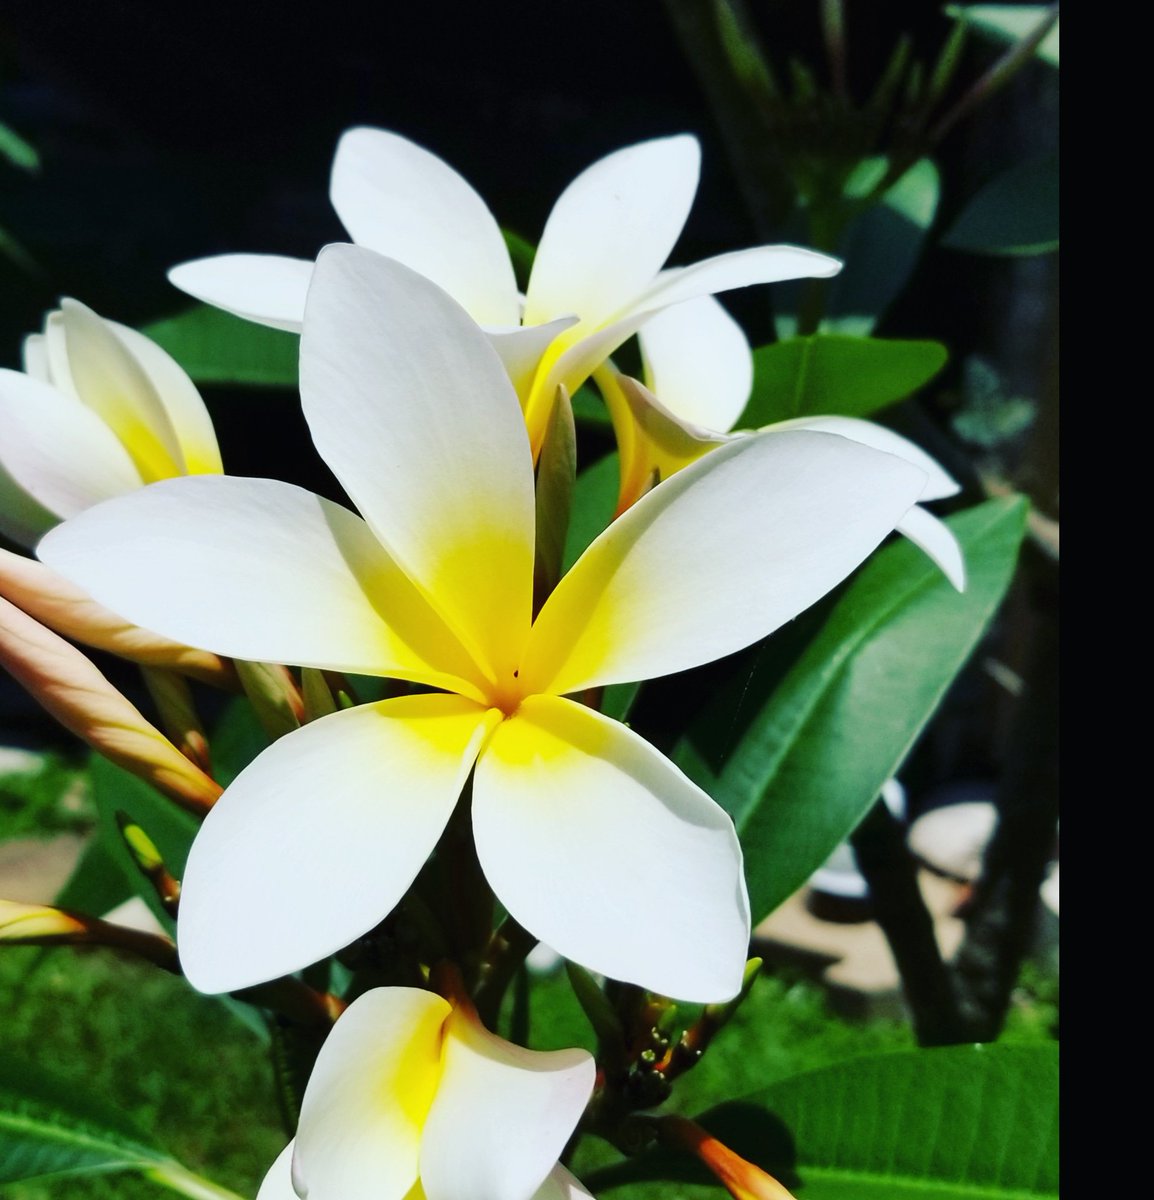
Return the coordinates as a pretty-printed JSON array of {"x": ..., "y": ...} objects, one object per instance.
[
  {"x": 830, "y": 373},
  {"x": 589, "y": 408},
  {"x": 17, "y": 151},
  {"x": 99, "y": 882},
  {"x": 1016, "y": 213},
  {"x": 171, "y": 828},
  {"x": 1009, "y": 23},
  {"x": 594, "y": 499},
  {"x": 956, "y": 1123},
  {"x": 216, "y": 347},
  {"x": 52, "y": 1126},
  {"x": 522, "y": 252},
  {"x": 236, "y": 740},
  {"x": 814, "y": 758},
  {"x": 880, "y": 248}
]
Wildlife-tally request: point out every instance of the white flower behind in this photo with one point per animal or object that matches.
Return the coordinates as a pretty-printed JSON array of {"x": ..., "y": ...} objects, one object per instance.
[
  {"x": 598, "y": 277},
  {"x": 98, "y": 410}
]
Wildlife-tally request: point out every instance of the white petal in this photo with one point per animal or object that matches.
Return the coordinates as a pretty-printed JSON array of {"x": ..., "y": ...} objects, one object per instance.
[
  {"x": 277, "y": 1183},
  {"x": 411, "y": 408},
  {"x": 559, "y": 1185},
  {"x": 717, "y": 557},
  {"x": 267, "y": 288},
  {"x": 939, "y": 484},
  {"x": 612, "y": 229},
  {"x": 737, "y": 269},
  {"x": 698, "y": 362},
  {"x": 182, "y": 402},
  {"x": 399, "y": 199},
  {"x": 359, "y": 1134},
  {"x": 256, "y": 569},
  {"x": 502, "y": 1114},
  {"x": 35, "y": 357},
  {"x": 937, "y": 540},
  {"x": 601, "y": 847},
  {"x": 110, "y": 381},
  {"x": 521, "y": 349},
  {"x": 318, "y": 838},
  {"x": 57, "y": 451}
]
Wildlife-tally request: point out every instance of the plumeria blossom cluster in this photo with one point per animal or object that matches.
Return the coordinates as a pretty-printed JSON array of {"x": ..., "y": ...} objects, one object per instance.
[{"x": 429, "y": 387}]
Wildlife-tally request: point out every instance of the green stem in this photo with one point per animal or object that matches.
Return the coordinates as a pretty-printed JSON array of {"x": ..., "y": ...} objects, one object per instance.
[{"x": 180, "y": 1179}]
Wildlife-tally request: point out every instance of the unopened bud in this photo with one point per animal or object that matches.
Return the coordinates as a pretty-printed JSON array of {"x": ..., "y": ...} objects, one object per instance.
[{"x": 70, "y": 687}]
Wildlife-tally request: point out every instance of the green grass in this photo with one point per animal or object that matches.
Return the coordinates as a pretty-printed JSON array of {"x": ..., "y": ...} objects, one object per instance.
[
  {"x": 46, "y": 799},
  {"x": 178, "y": 1064}
]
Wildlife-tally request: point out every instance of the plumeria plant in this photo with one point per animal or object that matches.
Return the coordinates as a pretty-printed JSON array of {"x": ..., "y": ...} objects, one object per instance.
[{"x": 445, "y": 760}]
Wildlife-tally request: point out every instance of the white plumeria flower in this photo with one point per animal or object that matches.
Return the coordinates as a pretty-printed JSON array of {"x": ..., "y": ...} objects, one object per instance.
[
  {"x": 589, "y": 837},
  {"x": 411, "y": 1095},
  {"x": 597, "y": 277},
  {"x": 99, "y": 410},
  {"x": 658, "y": 436}
]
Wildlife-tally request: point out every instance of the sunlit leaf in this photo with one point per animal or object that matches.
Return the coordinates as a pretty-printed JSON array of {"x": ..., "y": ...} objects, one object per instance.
[
  {"x": 816, "y": 754},
  {"x": 99, "y": 883},
  {"x": 1009, "y": 23},
  {"x": 216, "y": 347},
  {"x": 956, "y": 1123},
  {"x": 1016, "y": 213},
  {"x": 880, "y": 248},
  {"x": 834, "y": 374}
]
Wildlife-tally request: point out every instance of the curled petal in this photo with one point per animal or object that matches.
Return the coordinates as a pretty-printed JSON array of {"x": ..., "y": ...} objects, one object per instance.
[
  {"x": 359, "y": 1135},
  {"x": 86, "y": 704},
  {"x": 502, "y": 1114},
  {"x": 737, "y": 269},
  {"x": 399, "y": 199},
  {"x": 653, "y": 444},
  {"x": 939, "y": 484},
  {"x": 602, "y": 848},
  {"x": 319, "y": 837},
  {"x": 937, "y": 540},
  {"x": 522, "y": 349},
  {"x": 698, "y": 362},
  {"x": 269, "y": 289}
]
